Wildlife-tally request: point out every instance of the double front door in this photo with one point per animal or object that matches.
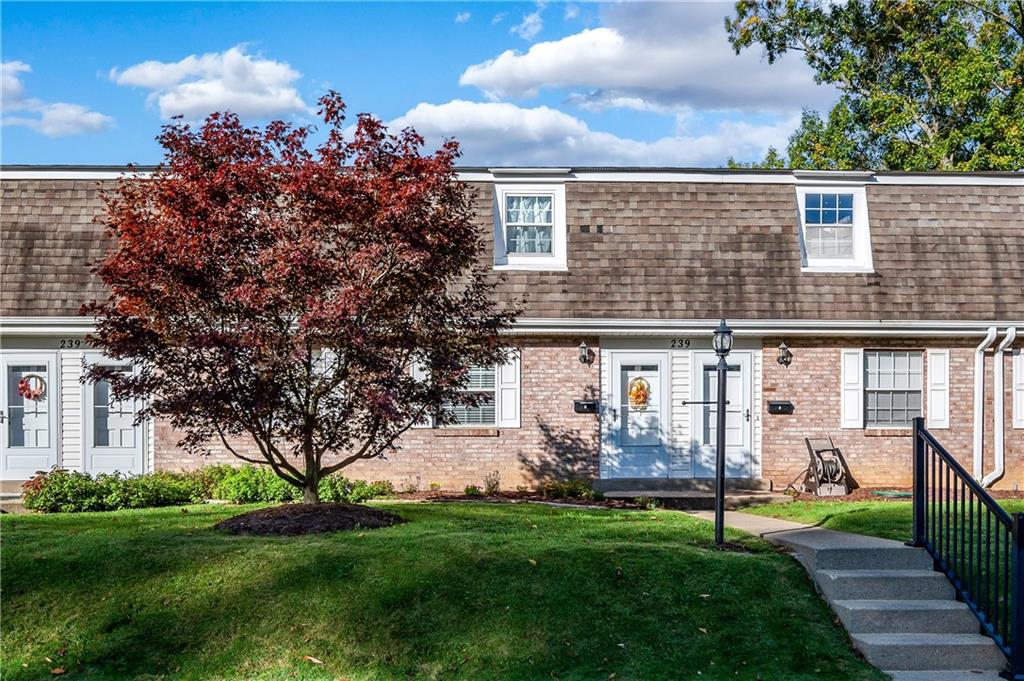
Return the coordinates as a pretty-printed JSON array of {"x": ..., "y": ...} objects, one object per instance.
[
  {"x": 644, "y": 430},
  {"x": 92, "y": 424}
]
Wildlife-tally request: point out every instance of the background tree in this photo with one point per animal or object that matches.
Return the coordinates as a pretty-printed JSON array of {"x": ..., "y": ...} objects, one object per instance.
[
  {"x": 281, "y": 295},
  {"x": 924, "y": 84}
]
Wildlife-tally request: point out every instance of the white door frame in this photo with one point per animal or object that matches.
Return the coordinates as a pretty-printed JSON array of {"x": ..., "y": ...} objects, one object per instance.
[
  {"x": 88, "y": 416},
  {"x": 53, "y": 388},
  {"x": 611, "y": 420},
  {"x": 745, "y": 360}
]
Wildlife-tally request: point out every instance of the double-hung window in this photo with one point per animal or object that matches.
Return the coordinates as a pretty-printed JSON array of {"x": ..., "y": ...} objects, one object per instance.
[
  {"x": 834, "y": 234},
  {"x": 530, "y": 226},
  {"x": 481, "y": 384},
  {"x": 892, "y": 388}
]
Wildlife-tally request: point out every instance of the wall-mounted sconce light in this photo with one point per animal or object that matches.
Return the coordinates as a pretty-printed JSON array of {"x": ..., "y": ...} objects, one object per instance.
[
  {"x": 586, "y": 355},
  {"x": 785, "y": 357}
]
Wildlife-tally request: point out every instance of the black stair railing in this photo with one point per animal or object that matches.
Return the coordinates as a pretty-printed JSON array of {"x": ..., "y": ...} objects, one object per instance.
[{"x": 977, "y": 544}]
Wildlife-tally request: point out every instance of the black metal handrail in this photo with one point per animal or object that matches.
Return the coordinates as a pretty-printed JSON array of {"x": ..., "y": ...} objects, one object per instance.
[{"x": 973, "y": 541}]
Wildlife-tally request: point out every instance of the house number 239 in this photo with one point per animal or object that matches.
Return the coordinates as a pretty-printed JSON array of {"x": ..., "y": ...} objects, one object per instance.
[{"x": 679, "y": 343}]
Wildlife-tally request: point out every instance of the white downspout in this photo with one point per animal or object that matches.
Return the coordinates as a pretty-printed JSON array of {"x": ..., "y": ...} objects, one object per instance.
[
  {"x": 979, "y": 401},
  {"x": 997, "y": 407}
]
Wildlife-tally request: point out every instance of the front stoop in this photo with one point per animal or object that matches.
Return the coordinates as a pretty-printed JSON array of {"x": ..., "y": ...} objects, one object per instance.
[{"x": 900, "y": 614}]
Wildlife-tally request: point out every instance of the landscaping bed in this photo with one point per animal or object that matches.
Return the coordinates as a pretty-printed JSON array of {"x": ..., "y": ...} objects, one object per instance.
[
  {"x": 294, "y": 519},
  {"x": 461, "y": 591}
]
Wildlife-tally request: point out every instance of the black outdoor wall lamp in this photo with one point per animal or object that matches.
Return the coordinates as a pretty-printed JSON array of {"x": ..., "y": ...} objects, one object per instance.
[
  {"x": 785, "y": 357},
  {"x": 585, "y": 353}
]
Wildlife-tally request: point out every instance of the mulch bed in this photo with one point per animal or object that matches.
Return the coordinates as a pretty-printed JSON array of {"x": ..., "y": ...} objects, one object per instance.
[
  {"x": 293, "y": 519},
  {"x": 509, "y": 496}
]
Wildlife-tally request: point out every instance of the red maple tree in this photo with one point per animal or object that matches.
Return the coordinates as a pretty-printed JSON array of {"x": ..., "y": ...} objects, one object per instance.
[{"x": 268, "y": 292}]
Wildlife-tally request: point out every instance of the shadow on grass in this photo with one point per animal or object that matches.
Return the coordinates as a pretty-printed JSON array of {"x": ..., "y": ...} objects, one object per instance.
[{"x": 468, "y": 591}]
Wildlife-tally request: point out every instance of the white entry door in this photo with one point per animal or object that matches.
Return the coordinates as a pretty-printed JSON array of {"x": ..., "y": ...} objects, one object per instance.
[
  {"x": 30, "y": 394},
  {"x": 739, "y": 458},
  {"x": 637, "y": 423},
  {"x": 113, "y": 442}
]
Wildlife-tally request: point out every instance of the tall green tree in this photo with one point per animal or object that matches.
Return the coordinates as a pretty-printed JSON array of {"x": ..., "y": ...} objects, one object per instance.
[{"x": 924, "y": 84}]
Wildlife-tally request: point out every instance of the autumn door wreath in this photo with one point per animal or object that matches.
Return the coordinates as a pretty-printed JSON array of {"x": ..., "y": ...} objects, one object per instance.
[
  {"x": 32, "y": 387},
  {"x": 639, "y": 393}
]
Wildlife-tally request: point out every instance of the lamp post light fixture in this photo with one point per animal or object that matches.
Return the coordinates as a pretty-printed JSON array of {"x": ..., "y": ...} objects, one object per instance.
[
  {"x": 785, "y": 357},
  {"x": 722, "y": 343}
]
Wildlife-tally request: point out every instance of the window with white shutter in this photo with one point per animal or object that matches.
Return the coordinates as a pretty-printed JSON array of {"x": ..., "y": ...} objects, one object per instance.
[
  {"x": 851, "y": 386},
  {"x": 938, "y": 388}
]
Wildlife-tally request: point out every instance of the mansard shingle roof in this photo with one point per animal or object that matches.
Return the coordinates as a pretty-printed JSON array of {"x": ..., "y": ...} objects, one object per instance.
[{"x": 643, "y": 249}]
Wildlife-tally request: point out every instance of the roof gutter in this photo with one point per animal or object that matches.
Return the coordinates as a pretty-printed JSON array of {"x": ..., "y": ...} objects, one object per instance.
[
  {"x": 979, "y": 401},
  {"x": 997, "y": 407},
  {"x": 533, "y": 326}
]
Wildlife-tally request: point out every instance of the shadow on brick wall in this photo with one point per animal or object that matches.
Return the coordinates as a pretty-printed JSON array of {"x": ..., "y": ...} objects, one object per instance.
[{"x": 566, "y": 453}]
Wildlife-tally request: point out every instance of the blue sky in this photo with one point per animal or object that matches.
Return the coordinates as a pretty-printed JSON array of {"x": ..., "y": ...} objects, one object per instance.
[{"x": 516, "y": 83}]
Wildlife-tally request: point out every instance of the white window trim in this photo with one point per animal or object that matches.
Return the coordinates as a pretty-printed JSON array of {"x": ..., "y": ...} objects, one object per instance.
[
  {"x": 507, "y": 396},
  {"x": 555, "y": 261},
  {"x": 861, "y": 261}
]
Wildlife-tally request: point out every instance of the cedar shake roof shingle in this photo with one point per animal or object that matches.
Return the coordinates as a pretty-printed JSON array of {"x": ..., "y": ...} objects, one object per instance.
[{"x": 639, "y": 250}]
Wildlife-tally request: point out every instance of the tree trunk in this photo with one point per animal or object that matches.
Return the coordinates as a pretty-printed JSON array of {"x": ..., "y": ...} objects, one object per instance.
[{"x": 310, "y": 494}]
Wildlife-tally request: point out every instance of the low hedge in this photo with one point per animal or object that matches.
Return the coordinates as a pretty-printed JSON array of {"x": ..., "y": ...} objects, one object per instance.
[{"x": 70, "y": 492}]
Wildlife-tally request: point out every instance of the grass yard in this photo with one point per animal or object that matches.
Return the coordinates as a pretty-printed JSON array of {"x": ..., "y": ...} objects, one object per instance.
[
  {"x": 888, "y": 519},
  {"x": 462, "y": 591}
]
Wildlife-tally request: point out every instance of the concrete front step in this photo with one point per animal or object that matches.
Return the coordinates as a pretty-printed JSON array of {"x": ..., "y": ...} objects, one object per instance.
[
  {"x": 936, "y": 675},
  {"x": 906, "y": 617},
  {"x": 699, "y": 500},
  {"x": 929, "y": 651},
  {"x": 846, "y": 585},
  {"x": 901, "y": 558},
  {"x": 679, "y": 484}
]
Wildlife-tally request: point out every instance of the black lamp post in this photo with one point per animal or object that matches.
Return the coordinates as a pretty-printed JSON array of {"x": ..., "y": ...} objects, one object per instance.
[{"x": 722, "y": 343}]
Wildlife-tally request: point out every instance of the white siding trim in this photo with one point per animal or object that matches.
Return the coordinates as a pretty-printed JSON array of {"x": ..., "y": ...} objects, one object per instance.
[
  {"x": 508, "y": 393},
  {"x": 1018, "y": 388},
  {"x": 938, "y": 388},
  {"x": 680, "y": 366},
  {"x": 71, "y": 418},
  {"x": 756, "y": 408},
  {"x": 150, "y": 457},
  {"x": 852, "y": 388}
]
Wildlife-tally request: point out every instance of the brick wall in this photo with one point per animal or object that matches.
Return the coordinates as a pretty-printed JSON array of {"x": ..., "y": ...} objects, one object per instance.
[
  {"x": 876, "y": 458},
  {"x": 552, "y": 442}
]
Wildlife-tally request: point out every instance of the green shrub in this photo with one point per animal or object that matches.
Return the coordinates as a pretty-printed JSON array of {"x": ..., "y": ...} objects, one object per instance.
[
  {"x": 492, "y": 483},
  {"x": 473, "y": 491},
  {"x": 252, "y": 484},
  {"x": 569, "y": 489}
]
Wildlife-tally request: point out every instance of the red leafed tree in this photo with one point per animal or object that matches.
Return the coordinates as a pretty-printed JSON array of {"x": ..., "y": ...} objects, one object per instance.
[{"x": 270, "y": 292}]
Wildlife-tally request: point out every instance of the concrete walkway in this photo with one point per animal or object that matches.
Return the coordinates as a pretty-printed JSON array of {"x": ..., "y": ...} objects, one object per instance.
[{"x": 900, "y": 614}]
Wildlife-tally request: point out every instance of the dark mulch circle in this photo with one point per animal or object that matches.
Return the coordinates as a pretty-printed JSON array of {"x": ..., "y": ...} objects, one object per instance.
[{"x": 293, "y": 519}]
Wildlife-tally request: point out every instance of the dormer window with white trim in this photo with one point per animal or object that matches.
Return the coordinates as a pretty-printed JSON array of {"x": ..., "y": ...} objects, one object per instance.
[
  {"x": 834, "y": 233},
  {"x": 530, "y": 229}
]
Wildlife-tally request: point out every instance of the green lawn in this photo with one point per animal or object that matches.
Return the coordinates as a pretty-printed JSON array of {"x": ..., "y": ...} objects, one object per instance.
[
  {"x": 462, "y": 591},
  {"x": 888, "y": 519}
]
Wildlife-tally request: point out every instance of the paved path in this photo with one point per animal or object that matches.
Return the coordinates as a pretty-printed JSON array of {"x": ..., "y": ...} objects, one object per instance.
[{"x": 901, "y": 614}]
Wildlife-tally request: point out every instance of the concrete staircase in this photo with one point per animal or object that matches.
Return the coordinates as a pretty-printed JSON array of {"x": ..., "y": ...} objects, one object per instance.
[
  {"x": 692, "y": 494},
  {"x": 900, "y": 614}
]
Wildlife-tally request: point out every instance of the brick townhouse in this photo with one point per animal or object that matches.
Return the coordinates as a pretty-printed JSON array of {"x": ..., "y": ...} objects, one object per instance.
[{"x": 897, "y": 295}]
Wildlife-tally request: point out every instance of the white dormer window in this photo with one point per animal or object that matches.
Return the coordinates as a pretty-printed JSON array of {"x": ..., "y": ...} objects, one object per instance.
[
  {"x": 834, "y": 234},
  {"x": 530, "y": 227}
]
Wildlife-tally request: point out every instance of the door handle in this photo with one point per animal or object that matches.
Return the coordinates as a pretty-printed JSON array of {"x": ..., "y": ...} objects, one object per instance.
[{"x": 746, "y": 415}]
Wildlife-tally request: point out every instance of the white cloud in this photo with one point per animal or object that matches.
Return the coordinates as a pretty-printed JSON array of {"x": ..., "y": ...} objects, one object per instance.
[
  {"x": 652, "y": 54},
  {"x": 53, "y": 119},
  {"x": 498, "y": 18},
  {"x": 462, "y": 17},
  {"x": 571, "y": 12},
  {"x": 497, "y": 133},
  {"x": 231, "y": 80},
  {"x": 531, "y": 24}
]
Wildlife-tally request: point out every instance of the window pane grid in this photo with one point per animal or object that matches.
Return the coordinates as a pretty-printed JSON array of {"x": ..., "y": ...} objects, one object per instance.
[
  {"x": 529, "y": 223},
  {"x": 828, "y": 225},
  {"x": 892, "y": 387}
]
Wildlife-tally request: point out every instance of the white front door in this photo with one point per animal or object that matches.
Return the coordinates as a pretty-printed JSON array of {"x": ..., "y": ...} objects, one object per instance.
[
  {"x": 30, "y": 396},
  {"x": 739, "y": 459},
  {"x": 113, "y": 442},
  {"x": 636, "y": 418}
]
